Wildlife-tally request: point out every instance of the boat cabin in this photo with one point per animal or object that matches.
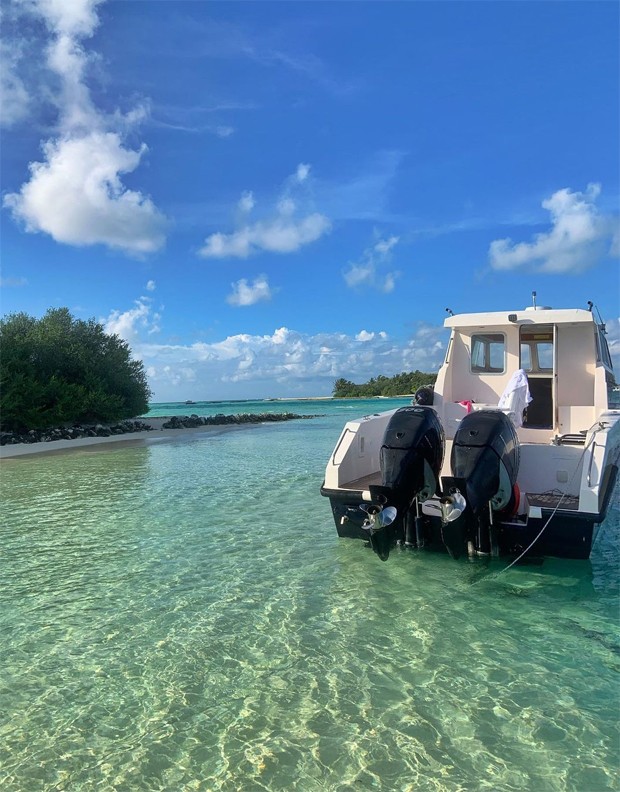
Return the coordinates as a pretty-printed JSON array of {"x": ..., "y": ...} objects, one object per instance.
[{"x": 564, "y": 354}]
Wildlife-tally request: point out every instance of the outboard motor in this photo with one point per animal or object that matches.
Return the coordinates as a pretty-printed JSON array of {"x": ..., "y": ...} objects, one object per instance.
[
  {"x": 411, "y": 456},
  {"x": 424, "y": 395},
  {"x": 485, "y": 461}
]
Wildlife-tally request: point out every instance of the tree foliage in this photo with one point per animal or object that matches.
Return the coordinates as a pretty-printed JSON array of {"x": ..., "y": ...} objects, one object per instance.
[
  {"x": 60, "y": 370},
  {"x": 400, "y": 384}
]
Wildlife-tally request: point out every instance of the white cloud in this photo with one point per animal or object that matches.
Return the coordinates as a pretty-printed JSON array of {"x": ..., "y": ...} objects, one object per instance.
[
  {"x": 285, "y": 362},
  {"x": 282, "y": 232},
  {"x": 360, "y": 274},
  {"x": 150, "y": 285},
  {"x": 367, "y": 272},
  {"x": 579, "y": 237},
  {"x": 132, "y": 324},
  {"x": 280, "y": 235},
  {"x": 76, "y": 18},
  {"x": 246, "y": 202},
  {"x": 302, "y": 172},
  {"x": 280, "y": 336},
  {"x": 76, "y": 195},
  {"x": 244, "y": 294},
  {"x": 384, "y": 246}
]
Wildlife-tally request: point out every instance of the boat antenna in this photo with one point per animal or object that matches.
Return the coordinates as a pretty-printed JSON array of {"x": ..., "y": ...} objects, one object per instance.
[
  {"x": 534, "y": 299},
  {"x": 450, "y": 311},
  {"x": 600, "y": 321}
]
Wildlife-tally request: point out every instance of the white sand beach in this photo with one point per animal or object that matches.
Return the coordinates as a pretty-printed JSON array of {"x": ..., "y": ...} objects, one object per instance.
[{"x": 156, "y": 435}]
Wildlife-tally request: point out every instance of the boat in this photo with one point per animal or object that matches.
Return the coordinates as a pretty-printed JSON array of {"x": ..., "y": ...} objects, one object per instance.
[{"x": 514, "y": 450}]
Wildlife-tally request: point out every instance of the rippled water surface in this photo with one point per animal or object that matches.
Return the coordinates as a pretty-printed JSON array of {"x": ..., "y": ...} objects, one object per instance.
[{"x": 182, "y": 616}]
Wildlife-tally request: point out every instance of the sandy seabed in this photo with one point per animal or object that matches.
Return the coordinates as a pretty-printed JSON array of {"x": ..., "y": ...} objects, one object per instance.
[{"x": 156, "y": 435}]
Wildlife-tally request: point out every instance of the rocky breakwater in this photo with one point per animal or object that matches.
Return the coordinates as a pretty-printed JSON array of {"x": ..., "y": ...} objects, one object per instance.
[
  {"x": 194, "y": 421},
  {"x": 75, "y": 432},
  {"x": 79, "y": 431}
]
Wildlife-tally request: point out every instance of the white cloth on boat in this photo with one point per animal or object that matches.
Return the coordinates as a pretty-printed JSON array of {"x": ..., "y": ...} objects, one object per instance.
[{"x": 516, "y": 396}]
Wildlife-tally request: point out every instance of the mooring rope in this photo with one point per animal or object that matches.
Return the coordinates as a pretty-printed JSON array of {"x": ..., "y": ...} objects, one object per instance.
[{"x": 551, "y": 516}]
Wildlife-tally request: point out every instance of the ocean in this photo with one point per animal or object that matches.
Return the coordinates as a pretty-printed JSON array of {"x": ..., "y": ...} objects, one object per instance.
[{"x": 182, "y": 616}]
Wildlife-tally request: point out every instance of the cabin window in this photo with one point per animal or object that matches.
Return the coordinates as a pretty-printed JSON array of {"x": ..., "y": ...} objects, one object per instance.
[
  {"x": 488, "y": 353},
  {"x": 537, "y": 350},
  {"x": 602, "y": 349},
  {"x": 613, "y": 392}
]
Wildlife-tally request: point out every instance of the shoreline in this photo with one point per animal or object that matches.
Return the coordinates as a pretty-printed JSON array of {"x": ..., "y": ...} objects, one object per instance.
[{"x": 144, "y": 438}]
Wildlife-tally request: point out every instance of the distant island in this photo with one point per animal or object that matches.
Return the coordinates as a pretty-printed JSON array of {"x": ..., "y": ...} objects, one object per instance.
[{"x": 399, "y": 385}]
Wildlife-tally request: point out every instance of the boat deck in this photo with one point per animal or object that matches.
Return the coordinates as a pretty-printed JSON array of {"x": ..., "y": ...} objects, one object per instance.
[
  {"x": 546, "y": 500},
  {"x": 363, "y": 483},
  {"x": 542, "y": 500}
]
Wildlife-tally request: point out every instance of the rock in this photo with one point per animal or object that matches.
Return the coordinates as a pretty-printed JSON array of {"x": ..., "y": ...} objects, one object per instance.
[{"x": 175, "y": 422}]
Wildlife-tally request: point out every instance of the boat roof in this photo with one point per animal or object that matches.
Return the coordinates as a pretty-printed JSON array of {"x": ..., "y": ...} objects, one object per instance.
[{"x": 534, "y": 316}]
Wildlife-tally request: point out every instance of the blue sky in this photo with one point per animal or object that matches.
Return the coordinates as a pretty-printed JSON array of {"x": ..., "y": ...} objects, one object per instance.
[{"x": 262, "y": 197}]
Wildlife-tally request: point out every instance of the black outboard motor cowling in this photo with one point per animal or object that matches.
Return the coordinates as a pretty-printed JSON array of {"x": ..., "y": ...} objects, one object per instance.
[
  {"x": 411, "y": 457},
  {"x": 485, "y": 453}
]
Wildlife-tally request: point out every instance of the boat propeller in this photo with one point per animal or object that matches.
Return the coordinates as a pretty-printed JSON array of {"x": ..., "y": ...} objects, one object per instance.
[
  {"x": 379, "y": 517},
  {"x": 452, "y": 506}
]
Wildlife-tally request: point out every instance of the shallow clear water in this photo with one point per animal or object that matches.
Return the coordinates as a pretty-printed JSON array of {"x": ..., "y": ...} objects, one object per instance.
[{"x": 182, "y": 616}]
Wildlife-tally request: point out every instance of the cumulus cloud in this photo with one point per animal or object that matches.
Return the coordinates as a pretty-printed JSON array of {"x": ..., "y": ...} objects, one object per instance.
[
  {"x": 132, "y": 325},
  {"x": 579, "y": 237},
  {"x": 280, "y": 235},
  {"x": 246, "y": 294},
  {"x": 76, "y": 194},
  {"x": 73, "y": 18},
  {"x": 287, "y": 362},
  {"x": 367, "y": 271},
  {"x": 150, "y": 285},
  {"x": 282, "y": 232},
  {"x": 284, "y": 362},
  {"x": 364, "y": 335}
]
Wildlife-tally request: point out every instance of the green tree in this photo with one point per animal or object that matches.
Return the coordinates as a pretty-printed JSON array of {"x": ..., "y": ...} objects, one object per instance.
[
  {"x": 60, "y": 370},
  {"x": 398, "y": 385}
]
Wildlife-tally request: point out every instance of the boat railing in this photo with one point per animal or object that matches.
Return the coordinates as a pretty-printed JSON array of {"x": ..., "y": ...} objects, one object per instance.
[
  {"x": 570, "y": 439},
  {"x": 336, "y": 461}
]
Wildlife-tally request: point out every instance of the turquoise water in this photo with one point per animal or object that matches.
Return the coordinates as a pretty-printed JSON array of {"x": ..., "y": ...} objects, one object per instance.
[{"x": 182, "y": 616}]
